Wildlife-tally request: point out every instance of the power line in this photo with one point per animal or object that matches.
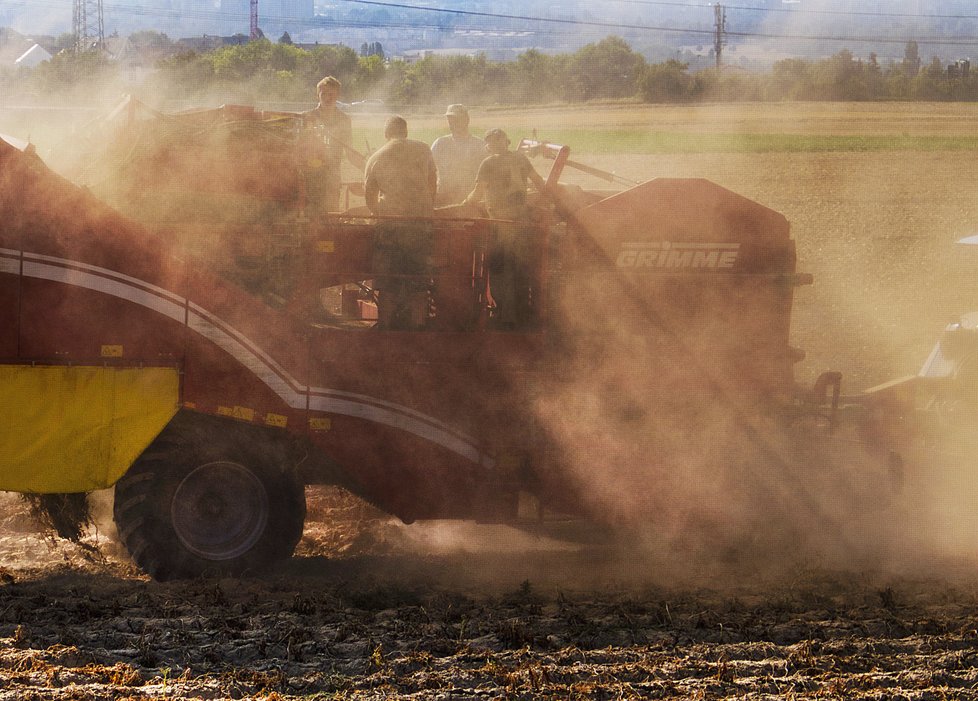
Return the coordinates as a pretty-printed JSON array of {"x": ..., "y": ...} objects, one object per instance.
[
  {"x": 446, "y": 10},
  {"x": 679, "y": 30},
  {"x": 844, "y": 13},
  {"x": 795, "y": 11},
  {"x": 243, "y": 18},
  {"x": 526, "y": 18},
  {"x": 322, "y": 22}
]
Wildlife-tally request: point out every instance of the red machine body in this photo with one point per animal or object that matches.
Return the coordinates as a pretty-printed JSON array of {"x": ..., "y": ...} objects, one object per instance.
[{"x": 438, "y": 422}]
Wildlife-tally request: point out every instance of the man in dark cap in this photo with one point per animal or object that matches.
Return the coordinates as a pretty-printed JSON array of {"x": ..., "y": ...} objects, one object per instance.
[{"x": 501, "y": 180}]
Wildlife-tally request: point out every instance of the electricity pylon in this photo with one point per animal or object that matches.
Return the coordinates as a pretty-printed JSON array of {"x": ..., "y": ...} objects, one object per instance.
[{"x": 87, "y": 25}]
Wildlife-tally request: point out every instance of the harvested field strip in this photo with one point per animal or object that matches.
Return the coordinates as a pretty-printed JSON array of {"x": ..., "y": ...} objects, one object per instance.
[{"x": 643, "y": 141}]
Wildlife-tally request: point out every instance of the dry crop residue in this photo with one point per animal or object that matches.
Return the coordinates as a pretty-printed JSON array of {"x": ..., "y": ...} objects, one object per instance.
[{"x": 369, "y": 619}]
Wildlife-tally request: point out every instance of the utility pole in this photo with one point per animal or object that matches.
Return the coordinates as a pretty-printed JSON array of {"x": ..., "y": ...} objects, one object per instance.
[
  {"x": 87, "y": 25},
  {"x": 254, "y": 19},
  {"x": 719, "y": 31}
]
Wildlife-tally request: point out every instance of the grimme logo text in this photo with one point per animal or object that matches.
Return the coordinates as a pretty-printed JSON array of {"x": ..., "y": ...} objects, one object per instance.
[{"x": 663, "y": 254}]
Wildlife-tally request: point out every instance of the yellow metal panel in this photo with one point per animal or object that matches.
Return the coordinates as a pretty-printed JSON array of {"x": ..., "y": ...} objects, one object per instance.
[
  {"x": 276, "y": 420},
  {"x": 320, "y": 424},
  {"x": 76, "y": 429},
  {"x": 237, "y": 412}
]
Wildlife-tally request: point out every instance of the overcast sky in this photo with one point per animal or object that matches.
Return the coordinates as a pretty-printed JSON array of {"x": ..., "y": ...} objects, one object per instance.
[{"x": 791, "y": 24}]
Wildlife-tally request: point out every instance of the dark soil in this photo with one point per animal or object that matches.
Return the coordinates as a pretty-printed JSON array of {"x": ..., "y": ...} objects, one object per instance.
[{"x": 360, "y": 613}]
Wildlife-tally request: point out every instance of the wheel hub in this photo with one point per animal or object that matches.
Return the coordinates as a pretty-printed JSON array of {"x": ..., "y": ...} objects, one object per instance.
[{"x": 220, "y": 510}]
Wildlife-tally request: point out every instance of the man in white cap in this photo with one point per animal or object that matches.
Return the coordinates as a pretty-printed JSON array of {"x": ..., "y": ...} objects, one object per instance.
[{"x": 457, "y": 157}]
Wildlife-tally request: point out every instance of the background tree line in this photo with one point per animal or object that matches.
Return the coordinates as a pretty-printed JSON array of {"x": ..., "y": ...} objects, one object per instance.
[{"x": 266, "y": 71}]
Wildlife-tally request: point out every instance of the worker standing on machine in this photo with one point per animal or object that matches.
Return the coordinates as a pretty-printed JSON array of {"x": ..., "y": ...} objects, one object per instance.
[
  {"x": 400, "y": 180},
  {"x": 502, "y": 180},
  {"x": 457, "y": 157},
  {"x": 333, "y": 132}
]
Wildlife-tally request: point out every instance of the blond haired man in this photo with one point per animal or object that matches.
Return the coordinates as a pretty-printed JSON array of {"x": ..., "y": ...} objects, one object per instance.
[{"x": 333, "y": 134}]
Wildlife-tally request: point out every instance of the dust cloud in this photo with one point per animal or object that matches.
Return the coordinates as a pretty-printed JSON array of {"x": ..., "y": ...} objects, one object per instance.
[
  {"x": 877, "y": 231},
  {"x": 700, "y": 479},
  {"x": 697, "y": 480}
]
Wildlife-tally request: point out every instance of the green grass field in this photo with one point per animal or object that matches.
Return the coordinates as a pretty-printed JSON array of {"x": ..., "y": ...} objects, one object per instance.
[
  {"x": 717, "y": 128},
  {"x": 643, "y": 141}
]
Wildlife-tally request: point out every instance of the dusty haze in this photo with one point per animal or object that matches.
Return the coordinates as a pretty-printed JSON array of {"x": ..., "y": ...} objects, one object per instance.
[
  {"x": 877, "y": 230},
  {"x": 758, "y": 566}
]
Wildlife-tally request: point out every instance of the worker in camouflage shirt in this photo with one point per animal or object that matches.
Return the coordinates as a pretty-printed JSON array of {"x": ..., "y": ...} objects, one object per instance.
[{"x": 502, "y": 181}]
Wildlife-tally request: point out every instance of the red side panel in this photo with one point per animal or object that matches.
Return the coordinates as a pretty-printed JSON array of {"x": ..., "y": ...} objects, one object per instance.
[
  {"x": 420, "y": 418},
  {"x": 686, "y": 210},
  {"x": 95, "y": 286},
  {"x": 709, "y": 277},
  {"x": 9, "y": 302},
  {"x": 72, "y": 323},
  {"x": 244, "y": 358},
  {"x": 10, "y": 246}
]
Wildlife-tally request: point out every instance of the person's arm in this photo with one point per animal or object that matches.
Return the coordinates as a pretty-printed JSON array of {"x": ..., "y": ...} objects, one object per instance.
[
  {"x": 527, "y": 169},
  {"x": 432, "y": 176},
  {"x": 355, "y": 157},
  {"x": 481, "y": 185},
  {"x": 541, "y": 185},
  {"x": 344, "y": 136},
  {"x": 477, "y": 195},
  {"x": 371, "y": 192}
]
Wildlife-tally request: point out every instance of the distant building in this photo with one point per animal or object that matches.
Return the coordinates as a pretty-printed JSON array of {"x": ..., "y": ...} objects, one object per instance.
[
  {"x": 959, "y": 69},
  {"x": 493, "y": 54},
  {"x": 33, "y": 57},
  {"x": 209, "y": 43},
  {"x": 12, "y": 46}
]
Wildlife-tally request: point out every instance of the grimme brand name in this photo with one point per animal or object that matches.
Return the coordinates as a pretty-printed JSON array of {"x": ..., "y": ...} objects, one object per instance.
[{"x": 663, "y": 254}]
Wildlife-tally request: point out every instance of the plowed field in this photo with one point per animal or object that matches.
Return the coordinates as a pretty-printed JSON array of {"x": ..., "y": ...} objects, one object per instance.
[{"x": 369, "y": 610}]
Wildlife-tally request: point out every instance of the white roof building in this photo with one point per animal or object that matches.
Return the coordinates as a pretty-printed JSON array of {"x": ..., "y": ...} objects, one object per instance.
[{"x": 33, "y": 57}]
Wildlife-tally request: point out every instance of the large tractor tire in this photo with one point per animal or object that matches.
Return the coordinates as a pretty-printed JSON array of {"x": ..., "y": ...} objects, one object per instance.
[{"x": 209, "y": 498}]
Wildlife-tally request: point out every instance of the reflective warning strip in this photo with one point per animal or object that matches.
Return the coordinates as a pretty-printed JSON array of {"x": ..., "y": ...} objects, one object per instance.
[
  {"x": 325, "y": 400},
  {"x": 276, "y": 420},
  {"x": 120, "y": 286},
  {"x": 9, "y": 261},
  {"x": 243, "y": 349},
  {"x": 237, "y": 412},
  {"x": 318, "y": 394},
  {"x": 419, "y": 427},
  {"x": 248, "y": 354}
]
